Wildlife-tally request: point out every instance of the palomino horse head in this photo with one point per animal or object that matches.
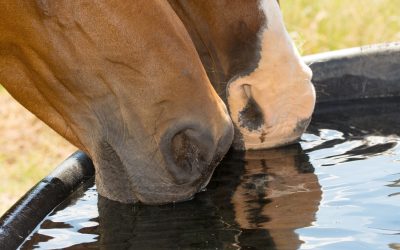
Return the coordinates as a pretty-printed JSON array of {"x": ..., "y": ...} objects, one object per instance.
[
  {"x": 254, "y": 66},
  {"x": 128, "y": 83}
]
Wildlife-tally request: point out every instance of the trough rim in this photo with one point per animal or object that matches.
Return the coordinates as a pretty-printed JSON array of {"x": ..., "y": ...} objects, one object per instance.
[
  {"x": 27, "y": 213},
  {"x": 366, "y": 50}
]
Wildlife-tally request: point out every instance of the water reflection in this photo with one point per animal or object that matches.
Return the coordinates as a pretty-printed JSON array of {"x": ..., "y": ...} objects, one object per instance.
[
  {"x": 264, "y": 199},
  {"x": 278, "y": 192},
  {"x": 255, "y": 201},
  {"x": 394, "y": 246}
]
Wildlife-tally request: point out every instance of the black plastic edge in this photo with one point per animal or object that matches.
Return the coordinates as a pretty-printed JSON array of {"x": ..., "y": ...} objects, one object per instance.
[
  {"x": 356, "y": 73},
  {"x": 23, "y": 217}
]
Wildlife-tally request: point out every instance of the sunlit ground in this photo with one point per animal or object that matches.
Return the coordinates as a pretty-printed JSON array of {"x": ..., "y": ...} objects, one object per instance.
[{"x": 29, "y": 149}]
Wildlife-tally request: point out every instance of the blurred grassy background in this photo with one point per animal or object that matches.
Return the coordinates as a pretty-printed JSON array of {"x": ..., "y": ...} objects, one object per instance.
[
  {"x": 30, "y": 150},
  {"x": 324, "y": 25}
]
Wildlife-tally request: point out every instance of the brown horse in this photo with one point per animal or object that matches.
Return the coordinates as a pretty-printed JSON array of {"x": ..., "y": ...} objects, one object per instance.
[{"x": 140, "y": 85}]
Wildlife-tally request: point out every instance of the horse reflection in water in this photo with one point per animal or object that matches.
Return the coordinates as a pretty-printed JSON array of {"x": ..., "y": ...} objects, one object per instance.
[
  {"x": 278, "y": 193},
  {"x": 255, "y": 200}
]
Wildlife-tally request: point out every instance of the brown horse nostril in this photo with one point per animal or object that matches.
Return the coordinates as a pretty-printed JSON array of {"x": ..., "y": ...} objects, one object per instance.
[
  {"x": 191, "y": 152},
  {"x": 188, "y": 154}
]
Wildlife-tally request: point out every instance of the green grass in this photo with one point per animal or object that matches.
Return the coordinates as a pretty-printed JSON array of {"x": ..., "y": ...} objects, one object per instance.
[
  {"x": 323, "y": 25},
  {"x": 315, "y": 25}
]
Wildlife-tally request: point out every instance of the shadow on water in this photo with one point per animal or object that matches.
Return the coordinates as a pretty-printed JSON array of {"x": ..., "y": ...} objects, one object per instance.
[{"x": 254, "y": 201}]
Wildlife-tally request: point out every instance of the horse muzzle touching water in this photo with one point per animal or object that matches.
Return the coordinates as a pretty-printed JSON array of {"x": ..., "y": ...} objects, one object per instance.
[
  {"x": 254, "y": 66},
  {"x": 140, "y": 86},
  {"x": 272, "y": 105}
]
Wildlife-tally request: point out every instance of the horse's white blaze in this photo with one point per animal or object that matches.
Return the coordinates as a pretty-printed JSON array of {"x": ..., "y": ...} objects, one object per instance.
[{"x": 280, "y": 86}]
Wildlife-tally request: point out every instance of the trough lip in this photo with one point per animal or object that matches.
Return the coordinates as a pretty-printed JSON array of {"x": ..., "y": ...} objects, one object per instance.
[
  {"x": 381, "y": 48},
  {"x": 356, "y": 73},
  {"x": 24, "y": 216}
]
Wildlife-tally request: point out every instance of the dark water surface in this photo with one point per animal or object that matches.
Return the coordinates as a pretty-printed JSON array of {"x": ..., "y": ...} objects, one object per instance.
[{"x": 337, "y": 189}]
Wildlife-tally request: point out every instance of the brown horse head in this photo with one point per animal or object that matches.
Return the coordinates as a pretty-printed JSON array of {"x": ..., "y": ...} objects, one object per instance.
[
  {"x": 254, "y": 66},
  {"x": 122, "y": 81}
]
